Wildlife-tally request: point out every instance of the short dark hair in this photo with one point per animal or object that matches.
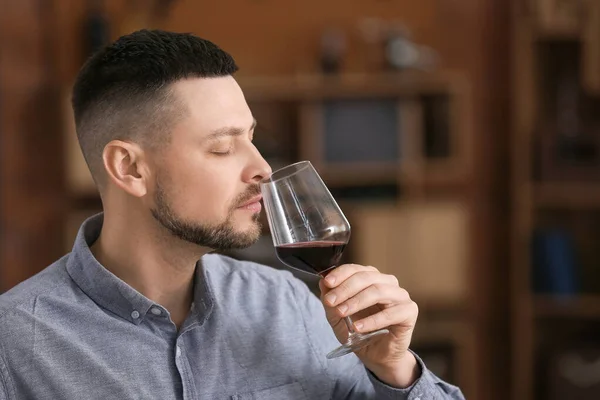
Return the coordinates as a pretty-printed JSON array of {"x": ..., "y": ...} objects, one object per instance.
[{"x": 123, "y": 90}]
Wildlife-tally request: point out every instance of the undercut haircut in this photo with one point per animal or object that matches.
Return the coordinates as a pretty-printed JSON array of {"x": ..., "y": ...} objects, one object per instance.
[{"x": 123, "y": 91}]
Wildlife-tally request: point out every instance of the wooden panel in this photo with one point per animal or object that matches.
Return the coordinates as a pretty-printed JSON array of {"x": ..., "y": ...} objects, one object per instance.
[
  {"x": 411, "y": 145},
  {"x": 30, "y": 174},
  {"x": 523, "y": 124}
]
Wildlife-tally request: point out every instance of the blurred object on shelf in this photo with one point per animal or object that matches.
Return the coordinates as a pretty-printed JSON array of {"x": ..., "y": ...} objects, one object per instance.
[
  {"x": 333, "y": 50},
  {"x": 97, "y": 27},
  {"x": 555, "y": 266},
  {"x": 437, "y": 135},
  {"x": 370, "y": 32},
  {"x": 574, "y": 372},
  {"x": 388, "y": 45},
  {"x": 565, "y": 249},
  {"x": 403, "y": 53},
  {"x": 570, "y": 146}
]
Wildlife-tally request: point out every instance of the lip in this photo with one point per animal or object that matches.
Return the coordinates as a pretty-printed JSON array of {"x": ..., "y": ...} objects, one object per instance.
[{"x": 251, "y": 201}]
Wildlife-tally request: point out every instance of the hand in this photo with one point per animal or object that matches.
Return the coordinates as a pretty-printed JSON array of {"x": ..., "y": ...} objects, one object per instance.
[{"x": 374, "y": 301}]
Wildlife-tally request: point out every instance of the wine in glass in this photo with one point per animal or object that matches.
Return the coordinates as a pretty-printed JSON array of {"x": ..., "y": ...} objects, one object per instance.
[{"x": 309, "y": 231}]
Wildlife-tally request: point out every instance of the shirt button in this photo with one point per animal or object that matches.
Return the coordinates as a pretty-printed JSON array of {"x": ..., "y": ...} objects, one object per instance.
[
  {"x": 155, "y": 311},
  {"x": 135, "y": 315}
]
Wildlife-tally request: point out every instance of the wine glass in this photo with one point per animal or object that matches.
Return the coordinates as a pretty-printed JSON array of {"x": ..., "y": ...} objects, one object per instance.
[{"x": 309, "y": 231}]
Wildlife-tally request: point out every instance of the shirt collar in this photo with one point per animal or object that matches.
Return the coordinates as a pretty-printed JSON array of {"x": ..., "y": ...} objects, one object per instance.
[{"x": 112, "y": 293}]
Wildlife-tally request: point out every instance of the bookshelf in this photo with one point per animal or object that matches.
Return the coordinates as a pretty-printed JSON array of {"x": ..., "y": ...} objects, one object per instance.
[{"x": 555, "y": 284}]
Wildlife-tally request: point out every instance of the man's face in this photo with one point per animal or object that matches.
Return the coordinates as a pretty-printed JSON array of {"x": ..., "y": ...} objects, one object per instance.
[{"x": 206, "y": 188}]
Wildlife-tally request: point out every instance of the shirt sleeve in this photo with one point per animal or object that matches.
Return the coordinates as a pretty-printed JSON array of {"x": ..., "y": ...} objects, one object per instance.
[
  {"x": 351, "y": 379},
  {"x": 428, "y": 386}
]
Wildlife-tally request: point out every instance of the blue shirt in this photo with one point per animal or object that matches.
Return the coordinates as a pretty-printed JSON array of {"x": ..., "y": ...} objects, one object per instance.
[{"x": 77, "y": 331}]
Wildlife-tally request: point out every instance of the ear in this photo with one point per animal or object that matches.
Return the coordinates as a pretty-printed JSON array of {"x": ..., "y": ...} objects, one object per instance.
[{"x": 126, "y": 167}]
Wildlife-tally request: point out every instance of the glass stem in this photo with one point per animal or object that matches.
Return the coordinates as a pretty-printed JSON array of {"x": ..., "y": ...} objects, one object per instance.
[{"x": 350, "y": 326}]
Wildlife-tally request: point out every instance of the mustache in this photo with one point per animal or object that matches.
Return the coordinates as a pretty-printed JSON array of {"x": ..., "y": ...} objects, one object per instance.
[{"x": 252, "y": 191}]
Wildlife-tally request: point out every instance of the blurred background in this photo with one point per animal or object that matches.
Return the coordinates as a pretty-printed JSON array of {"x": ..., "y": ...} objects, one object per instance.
[{"x": 461, "y": 138}]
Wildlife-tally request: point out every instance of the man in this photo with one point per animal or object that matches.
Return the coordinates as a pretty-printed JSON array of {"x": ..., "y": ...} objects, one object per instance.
[{"x": 140, "y": 309}]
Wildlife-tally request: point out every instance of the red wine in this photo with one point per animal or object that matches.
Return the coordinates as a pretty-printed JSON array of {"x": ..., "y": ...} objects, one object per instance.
[{"x": 312, "y": 257}]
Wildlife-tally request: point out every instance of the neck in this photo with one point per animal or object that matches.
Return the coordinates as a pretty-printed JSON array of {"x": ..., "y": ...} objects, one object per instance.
[{"x": 149, "y": 259}]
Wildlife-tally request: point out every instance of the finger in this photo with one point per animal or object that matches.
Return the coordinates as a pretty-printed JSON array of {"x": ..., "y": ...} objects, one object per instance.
[
  {"x": 324, "y": 289},
  {"x": 384, "y": 294},
  {"x": 355, "y": 284},
  {"x": 343, "y": 272},
  {"x": 401, "y": 316}
]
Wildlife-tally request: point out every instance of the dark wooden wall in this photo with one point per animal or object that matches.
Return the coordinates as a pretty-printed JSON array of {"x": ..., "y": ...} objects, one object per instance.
[
  {"x": 31, "y": 184},
  {"x": 40, "y": 52}
]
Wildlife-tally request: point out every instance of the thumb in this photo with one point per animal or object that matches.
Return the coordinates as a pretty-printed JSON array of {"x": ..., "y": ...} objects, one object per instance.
[{"x": 323, "y": 288}]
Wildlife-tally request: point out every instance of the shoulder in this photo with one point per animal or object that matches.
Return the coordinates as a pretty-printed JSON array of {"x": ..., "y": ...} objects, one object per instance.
[{"x": 51, "y": 281}]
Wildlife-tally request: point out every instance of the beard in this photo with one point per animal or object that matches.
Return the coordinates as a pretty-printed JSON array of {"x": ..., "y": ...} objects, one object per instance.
[{"x": 222, "y": 236}]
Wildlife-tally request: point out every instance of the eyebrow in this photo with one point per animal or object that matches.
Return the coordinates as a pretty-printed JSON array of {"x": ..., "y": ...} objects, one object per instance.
[{"x": 230, "y": 131}]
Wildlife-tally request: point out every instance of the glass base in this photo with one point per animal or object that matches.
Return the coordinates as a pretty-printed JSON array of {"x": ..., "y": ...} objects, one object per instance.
[{"x": 355, "y": 342}]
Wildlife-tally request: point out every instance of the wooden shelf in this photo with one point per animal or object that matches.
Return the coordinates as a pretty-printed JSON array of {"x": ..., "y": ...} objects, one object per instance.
[
  {"x": 567, "y": 195},
  {"x": 579, "y": 306},
  {"x": 315, "y": 86},
  {"x": 369, "y": 174},
  {"x": 360, "y": 174},
  {"x": 558, "y": 34}
]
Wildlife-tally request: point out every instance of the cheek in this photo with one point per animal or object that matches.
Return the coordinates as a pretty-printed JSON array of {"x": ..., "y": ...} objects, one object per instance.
[{"x": 201, "y": 195}]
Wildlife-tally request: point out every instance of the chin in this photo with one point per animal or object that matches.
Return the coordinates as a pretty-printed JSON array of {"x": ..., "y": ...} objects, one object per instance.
[{"x": 253, "y": 233}]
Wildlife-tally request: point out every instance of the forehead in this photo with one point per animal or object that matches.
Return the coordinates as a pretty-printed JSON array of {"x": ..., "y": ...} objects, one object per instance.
[{"x": 213, "y": 103}]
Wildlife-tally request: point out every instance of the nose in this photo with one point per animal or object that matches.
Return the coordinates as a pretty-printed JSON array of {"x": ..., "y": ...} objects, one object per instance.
[{"x": 258, "y": 168}]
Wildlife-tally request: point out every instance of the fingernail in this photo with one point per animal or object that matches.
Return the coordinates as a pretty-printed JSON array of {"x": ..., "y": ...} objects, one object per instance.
[
  {"x": 330, "y": 280},
  {"x": 343, "y": 308},
  {"x": 358, "y": 325},
  {"x": 330, "y": 298}
]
